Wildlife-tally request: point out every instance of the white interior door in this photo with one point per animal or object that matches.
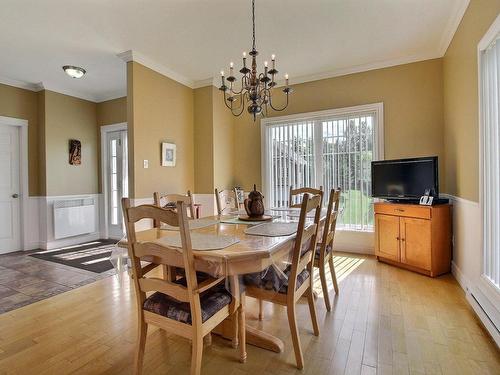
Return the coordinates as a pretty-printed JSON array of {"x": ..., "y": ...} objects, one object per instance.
[
  {"x": 10, "y": 213},
  {"x": 117, "y": 180}
]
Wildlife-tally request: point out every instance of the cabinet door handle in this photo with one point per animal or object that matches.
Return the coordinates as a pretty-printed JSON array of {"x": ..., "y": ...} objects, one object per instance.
[
  {"x": 398, "y": 238},
  {"x": 400, "y": 210},
  {"x": 403, "y": 239}
]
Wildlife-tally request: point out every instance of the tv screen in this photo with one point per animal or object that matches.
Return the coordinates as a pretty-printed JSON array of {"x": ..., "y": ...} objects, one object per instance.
[{"x": 405, "y": 179}]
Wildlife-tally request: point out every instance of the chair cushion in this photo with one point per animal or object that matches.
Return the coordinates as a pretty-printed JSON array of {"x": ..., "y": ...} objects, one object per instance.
[
  {"x": 211, "y": 302},
  {"x": 272, "y": 279},
  {"x": 318, "y": 248}
]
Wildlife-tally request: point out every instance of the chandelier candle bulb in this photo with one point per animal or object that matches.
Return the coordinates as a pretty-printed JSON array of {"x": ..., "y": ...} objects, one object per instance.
[
  {"x": 231, "y": 66},
  {"x": 273, "y": 60},
  {"x": 286, "y": 79}
]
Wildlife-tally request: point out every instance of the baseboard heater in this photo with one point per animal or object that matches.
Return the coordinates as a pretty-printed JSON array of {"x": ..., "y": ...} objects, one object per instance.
[{"x": 73, "y": 217}]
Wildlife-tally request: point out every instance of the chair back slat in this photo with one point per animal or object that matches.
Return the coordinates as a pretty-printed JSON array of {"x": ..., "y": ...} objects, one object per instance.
[
  {"x": 153, "y": 284},
  {"x": 300, "y": 257},
  {"x": 161, "y": 253},
  {"x": 294, "y": 198},
  {"x": 227, "y": 201},
  {"x": 162, "y": 200},
  {"x": 146, "y": 211},
  {"x": 332, "y": 213}
]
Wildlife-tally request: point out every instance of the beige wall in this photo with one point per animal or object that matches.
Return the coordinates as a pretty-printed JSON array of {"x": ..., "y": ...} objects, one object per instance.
[
  {"x": 23, "y": 104},
  {"x": 461, "y": 117},
  {"x": 108, "y": 113},
  {"x": 203, "y": 140},
  {"x": 68, "y": 118},
  {"x": 213, "y": 141},
  {"x": 223, "y": 122},
  {"x": 112, "y": 111},
  {"x": 159, "y": 110},
  {"x": 413, "y": 112}
]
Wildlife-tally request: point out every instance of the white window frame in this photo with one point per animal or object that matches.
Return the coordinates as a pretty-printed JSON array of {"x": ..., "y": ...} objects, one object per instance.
[
  {"x": 486, "y": 294},
  {"x": 378, "y": 152}
]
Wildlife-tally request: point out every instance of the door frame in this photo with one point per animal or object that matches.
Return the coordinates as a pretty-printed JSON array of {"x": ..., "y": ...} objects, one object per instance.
[
  {"x": 105, "y": 129},
  {"x": 23, "y": 174}
]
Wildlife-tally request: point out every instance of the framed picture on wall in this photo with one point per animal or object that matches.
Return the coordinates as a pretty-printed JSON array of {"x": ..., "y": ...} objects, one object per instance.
[
  {"x": 75, "y": 152},
  {"x": 168, "y": 154}
]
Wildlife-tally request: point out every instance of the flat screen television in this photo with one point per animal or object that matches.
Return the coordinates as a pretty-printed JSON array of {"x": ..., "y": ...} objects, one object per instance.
[{"x": 405, "y": 179}]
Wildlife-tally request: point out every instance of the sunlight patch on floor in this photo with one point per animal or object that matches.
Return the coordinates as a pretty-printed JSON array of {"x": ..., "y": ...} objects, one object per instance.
[{"x": 344, "y": 266}]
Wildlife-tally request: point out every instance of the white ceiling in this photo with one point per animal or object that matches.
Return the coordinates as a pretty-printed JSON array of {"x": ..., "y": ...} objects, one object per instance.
[{"x": 192, "y": 40}]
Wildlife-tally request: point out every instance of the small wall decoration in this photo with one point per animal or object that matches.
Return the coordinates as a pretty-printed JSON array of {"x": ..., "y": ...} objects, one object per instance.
[
  {"x": 168, "y": 154},
  {"x": 75, "y": 152}
]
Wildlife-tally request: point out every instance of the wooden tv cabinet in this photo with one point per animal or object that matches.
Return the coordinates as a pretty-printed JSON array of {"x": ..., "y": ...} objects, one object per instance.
[{"x": 414, "y": 237}]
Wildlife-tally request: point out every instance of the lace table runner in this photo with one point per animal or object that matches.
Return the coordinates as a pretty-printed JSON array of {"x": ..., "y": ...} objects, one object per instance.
[{"x": 275, "y": 229}]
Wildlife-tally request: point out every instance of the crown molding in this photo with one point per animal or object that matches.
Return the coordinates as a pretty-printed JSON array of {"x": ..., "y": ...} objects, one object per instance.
[
  {"x": 341, "y": 71},
  {"x": 131, "y": 55},
  {"x": 20, "y": 84},
  {"x": 452, "y": 26},
  {"x": 204, "y": 83},
  {"x": 111, "y": 96}
]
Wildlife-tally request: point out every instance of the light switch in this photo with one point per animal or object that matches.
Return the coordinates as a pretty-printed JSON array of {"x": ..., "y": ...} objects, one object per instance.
[{"x": 146, "y": 163}]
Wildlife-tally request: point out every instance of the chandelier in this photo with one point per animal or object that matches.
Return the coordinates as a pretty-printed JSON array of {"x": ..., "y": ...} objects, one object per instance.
[{"x": 256, "y": 89}]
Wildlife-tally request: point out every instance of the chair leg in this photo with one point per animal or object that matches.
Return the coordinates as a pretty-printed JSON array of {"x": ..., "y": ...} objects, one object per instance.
[
  {"x": 208, "y": 339},
  {"x": 196, "y": 353},
  {"x": 261, "y": 309},
  {"x": 324, "y": 286},
  {"x": 242, "y": 331},
  {"x": 141, "y": 345},
  {"x": 312, "y": 311},
  {"x": 334, "y": 276},
  {"x": 292, "y": 321},
  {"x": 235, "y": 340}
]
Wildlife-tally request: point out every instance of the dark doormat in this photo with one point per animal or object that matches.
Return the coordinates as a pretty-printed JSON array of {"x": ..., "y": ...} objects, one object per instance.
[{"x": 91, "y": 256}]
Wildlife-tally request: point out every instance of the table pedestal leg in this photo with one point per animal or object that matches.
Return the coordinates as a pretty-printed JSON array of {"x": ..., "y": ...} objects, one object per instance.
[{"x": 254, "y": 336}]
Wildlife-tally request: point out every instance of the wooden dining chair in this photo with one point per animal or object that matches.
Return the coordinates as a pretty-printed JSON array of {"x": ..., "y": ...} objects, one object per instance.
[
  {"x": 299, "y": 272},
  {"x": 294, "y": 200},
  {"x": 188, "y": 307},
  {"x": 294, "y": 195},
  {"x": 324, "y": 249},
  {"x": 227, "y": 201},
  {"x": 166, "y": 200}
]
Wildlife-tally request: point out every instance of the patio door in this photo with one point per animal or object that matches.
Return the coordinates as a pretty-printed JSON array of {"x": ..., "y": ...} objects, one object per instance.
[{"x": 116, "y": 180}]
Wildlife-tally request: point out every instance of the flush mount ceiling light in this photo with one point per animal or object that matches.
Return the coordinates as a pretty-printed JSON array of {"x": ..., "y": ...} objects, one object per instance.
[{"x": 74, "y": 71}]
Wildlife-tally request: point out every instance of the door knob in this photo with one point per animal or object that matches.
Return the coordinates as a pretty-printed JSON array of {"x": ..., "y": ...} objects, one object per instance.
[{"x": 15, "y": 195}]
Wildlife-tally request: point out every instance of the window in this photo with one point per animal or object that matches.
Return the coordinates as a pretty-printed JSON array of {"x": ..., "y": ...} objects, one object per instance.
[
  {"x": 330, "y": 149},
  {"x": 490, "y": 150}
]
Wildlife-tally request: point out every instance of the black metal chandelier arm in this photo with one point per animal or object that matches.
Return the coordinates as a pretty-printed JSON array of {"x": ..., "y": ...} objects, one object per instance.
[
  {"x": 278, "y": 109},
  {"x": 241, "y": 90},
  {"x": 242, "y": 105}
]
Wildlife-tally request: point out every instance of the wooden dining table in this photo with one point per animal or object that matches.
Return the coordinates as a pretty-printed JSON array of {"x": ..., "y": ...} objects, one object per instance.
[{"x": 253, "y": 253}]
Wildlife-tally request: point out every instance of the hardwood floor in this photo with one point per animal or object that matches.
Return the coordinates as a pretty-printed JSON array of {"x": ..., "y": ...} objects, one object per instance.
[{"x": 385, "y": 321}]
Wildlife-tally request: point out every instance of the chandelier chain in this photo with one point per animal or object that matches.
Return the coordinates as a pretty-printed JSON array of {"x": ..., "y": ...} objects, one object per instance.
[{"x": 253, "y": 23}]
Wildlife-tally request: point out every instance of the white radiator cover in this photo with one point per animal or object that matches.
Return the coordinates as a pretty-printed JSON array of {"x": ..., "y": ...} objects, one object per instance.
[{"x": 74, "y": 217}]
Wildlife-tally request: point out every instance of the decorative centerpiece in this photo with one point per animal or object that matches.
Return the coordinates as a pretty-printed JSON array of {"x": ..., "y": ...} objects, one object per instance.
[{"x": 254, "y": 206}]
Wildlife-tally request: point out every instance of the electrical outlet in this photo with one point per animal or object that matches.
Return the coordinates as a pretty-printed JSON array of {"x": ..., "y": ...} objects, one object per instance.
[{"x": 146, "y": 163}]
